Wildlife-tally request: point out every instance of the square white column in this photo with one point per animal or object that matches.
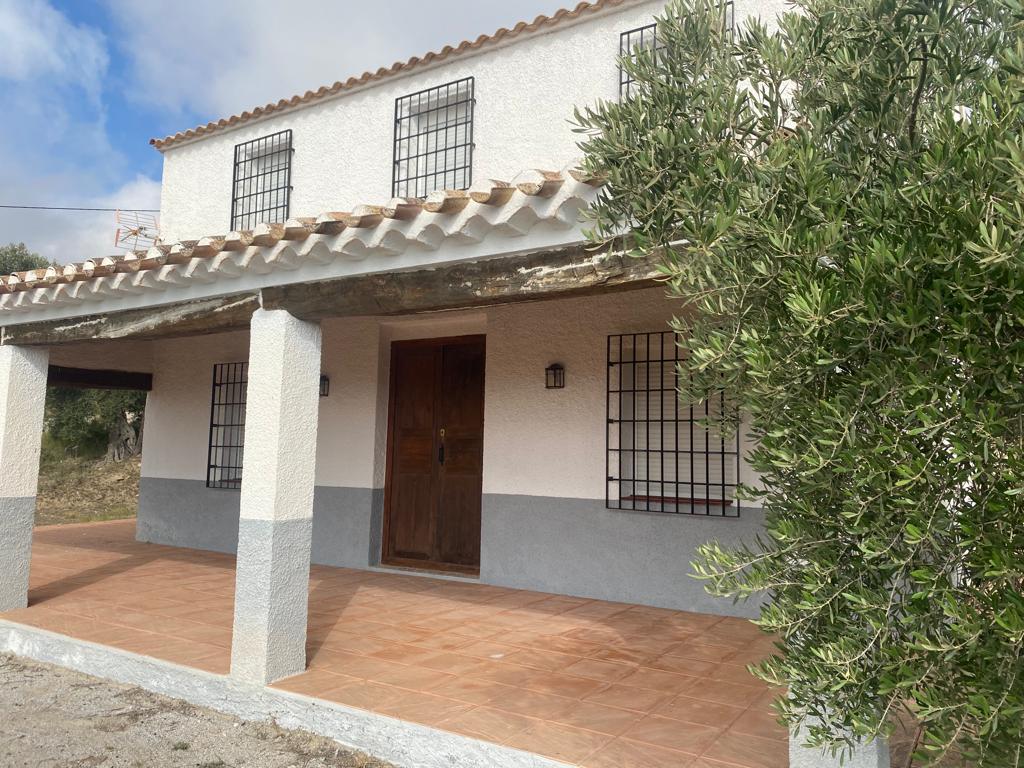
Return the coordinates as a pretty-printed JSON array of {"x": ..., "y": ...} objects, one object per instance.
[
  {"x": 276, "y": 522},
  {"x": 22, "y": 398}
]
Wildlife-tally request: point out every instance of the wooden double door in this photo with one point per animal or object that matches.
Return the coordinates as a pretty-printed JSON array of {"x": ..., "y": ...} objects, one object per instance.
[{"x": 434, "y": 479}]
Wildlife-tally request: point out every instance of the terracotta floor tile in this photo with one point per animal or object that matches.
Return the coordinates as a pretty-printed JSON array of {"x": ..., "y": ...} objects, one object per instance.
[
  {"x": 684, "y": 666},
  {"x": 364, "y": 695},
  {"x": 597, "y": 717},
  {"x": 478, "y": 630},
  {"x": 472, "y": 691},
  {"x": 314, "y": 682},
  {"x": 203, "y": 633},
  {"x": 760, "y": 721},
  {"x": 401, "y": 653},
  {"x": 559, "y": 742},
  {"x": 628, "y": 697},
  {"x": 623, "y": 655},
  {"x": 542, "y": 660},
  {"x": 412, "y": 678},
  {"x": 721, "y": 692},
  {"x": 703, "y": 652},
  {"x": 424, "y": 708},
  {"x": 664, "y": 732},
  {"x": 733, "y": 673},
  {"x": 488, "y": 724},
  {"x": 452, "y": 663},
  {"x": 749, "y": 751},
  {"x": 622, "y": 753},
  {"x": 444, "y": 642},
  {"x": 485, "y": 649},
  {"x": 658, "y": 680},
  {"x": 563, "y": 685},
  {"x": 596, "y": 669},
  {"x": 344, "y": 641},
  {"x": 333, "y": 659},
  {"x": 507, "y": 674},
  {"x": 533, "y": 704},
  {"x": 700, "y": 711}
]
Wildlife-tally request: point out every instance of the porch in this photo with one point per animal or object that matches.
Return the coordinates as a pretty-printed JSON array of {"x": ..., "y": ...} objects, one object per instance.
[{"x": 582, "y": 681}]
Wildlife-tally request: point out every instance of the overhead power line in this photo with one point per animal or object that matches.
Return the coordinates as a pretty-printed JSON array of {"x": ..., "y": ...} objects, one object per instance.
[{"x": 74, "y": 208}]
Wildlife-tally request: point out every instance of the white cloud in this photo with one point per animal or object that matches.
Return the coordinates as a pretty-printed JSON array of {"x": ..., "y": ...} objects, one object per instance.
[
  {"x": 54, "y": 145},
  {"x": 219, "y": 58},
  {"x": 37, "y": 41}
]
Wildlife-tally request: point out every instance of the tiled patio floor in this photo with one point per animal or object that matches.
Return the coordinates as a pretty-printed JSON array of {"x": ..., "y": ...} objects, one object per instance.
[{"x": 603, "y": 685}]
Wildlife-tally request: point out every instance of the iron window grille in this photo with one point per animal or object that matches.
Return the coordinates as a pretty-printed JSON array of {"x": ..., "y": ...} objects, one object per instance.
[
  {"x": 227, "y": 425},
  {"x": 662, "y": 456},
  {"x": 434, "y": 140},
  {"x": 630, "y": 44},
  {"x": 642, "y": 38},
  {"x": 261, "y": 190}
]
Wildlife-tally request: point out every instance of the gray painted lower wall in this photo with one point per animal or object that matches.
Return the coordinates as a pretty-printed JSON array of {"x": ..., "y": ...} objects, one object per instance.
[
  {"x": 566, "y": 546},
  {"x": 16, "y": 517},
  {"x": 185, "y": 513},
  {"x": 578, "y": 547}
]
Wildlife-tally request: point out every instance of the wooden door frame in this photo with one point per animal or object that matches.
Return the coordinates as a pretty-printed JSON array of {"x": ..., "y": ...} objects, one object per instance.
[{"x": 385, "y": 557}]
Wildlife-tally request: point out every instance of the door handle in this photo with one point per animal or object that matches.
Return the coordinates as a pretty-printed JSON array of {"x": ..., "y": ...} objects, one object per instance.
[{"x": 440, "y": 454}]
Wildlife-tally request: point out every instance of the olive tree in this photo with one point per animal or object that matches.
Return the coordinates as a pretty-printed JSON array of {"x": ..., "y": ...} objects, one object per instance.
[{"x": 839, "y": 199}]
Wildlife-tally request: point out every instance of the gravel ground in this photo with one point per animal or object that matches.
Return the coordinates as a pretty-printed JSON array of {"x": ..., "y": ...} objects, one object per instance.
[{"x": 56, "y": 718}]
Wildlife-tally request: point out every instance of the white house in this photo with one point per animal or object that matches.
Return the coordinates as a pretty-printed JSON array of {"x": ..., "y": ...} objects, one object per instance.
[{"x": 375, "y": 336}]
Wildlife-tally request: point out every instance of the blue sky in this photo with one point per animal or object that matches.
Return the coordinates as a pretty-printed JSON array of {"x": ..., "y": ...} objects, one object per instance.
[{"x": 85, "y": 84}]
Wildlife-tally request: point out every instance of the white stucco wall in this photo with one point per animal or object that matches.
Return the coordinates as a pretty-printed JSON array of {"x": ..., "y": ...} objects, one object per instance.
[
  {"x": 536, "y": 441},
  {"x": 526, "y": 91}
]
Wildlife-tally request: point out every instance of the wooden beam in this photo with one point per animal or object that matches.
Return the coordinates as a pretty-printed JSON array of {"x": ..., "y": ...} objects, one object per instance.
[
  {"x": 86, "y": 378},
  {"x": 564, "y": 272},
  {"x": 571, "y": 271},
  {"x": 189, "y": 318}
]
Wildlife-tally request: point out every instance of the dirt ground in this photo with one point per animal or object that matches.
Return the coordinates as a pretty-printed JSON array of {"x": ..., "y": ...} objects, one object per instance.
[
  {"x": 54, "y": 718},
  {"x": 75, "y": 490}
]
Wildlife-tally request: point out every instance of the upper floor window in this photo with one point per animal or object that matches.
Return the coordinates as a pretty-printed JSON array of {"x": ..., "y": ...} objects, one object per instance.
[
  {"x": 646, "y": 37},
  {"x": 262, "y": 181},
  {"x": 663, "y": 455},
  {"x": 434, "y": 140}
]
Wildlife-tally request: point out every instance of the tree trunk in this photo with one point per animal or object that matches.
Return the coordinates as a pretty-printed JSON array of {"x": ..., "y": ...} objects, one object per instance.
[{"x": 122, "y": 440}]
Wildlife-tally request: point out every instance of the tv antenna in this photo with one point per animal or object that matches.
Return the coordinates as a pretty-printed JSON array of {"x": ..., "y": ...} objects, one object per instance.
[{"x": 136, "y": 230}]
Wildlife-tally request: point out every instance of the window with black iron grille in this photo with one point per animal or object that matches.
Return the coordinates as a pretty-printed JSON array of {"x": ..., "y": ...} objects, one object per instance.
[
  {"x": 662, "y": 456},
  {"x": 630, "y": 44},
  {"x": 646, "y": 38},
  {"x": 434, "y": 140},
  {"x": 262, "y": 181},
  {"x": 227, "y": 425}
]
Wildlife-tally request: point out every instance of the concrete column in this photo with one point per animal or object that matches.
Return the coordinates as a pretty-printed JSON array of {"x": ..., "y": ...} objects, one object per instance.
[
  {"x": 276, "y": 523},
  {"x": 874, "y": 754},
  {"x": 22, "y": 397}
]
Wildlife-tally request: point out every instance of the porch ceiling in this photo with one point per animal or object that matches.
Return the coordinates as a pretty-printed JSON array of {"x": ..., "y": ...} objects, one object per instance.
[{"x": 584, "y": 681}]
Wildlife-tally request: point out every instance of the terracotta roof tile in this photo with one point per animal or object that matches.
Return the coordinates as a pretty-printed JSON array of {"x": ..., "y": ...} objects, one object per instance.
[
  {"x": 509, "y": 208},
  {"x": 540, "y": 23}
]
